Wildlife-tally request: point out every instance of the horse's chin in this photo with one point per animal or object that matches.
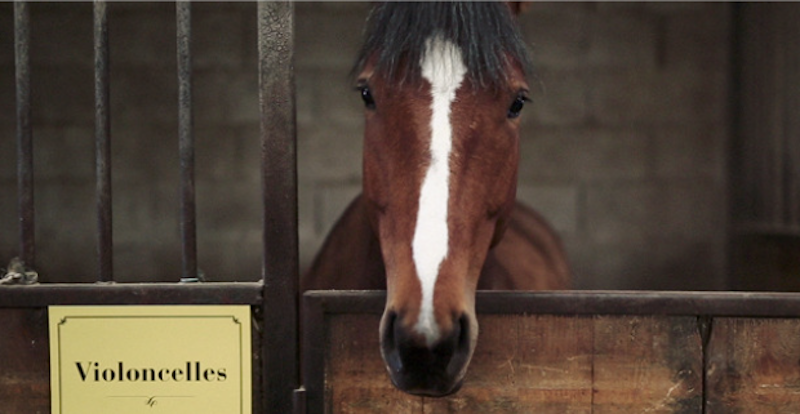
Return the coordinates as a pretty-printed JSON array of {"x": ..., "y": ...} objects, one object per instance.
[{"x": 426, "y": 388}]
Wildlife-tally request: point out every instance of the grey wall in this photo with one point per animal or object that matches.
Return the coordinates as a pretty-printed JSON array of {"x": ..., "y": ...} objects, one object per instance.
[{"x": 624, "y": 150}]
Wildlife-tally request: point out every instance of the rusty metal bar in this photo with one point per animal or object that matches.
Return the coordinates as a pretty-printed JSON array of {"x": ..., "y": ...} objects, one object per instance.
[
  {"x": 610, "y": 302},
  {"x": 27, "y": 245},
  {"x": 41, "y": 296},
  {"x": 102, "y": 130},
  {"x": 186, "y": 143},
  {"x": 279, "y": 188}
]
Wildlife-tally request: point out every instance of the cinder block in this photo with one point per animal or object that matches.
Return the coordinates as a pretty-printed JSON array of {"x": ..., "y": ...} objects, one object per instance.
[
  {"x": 227, "y": 153},
  {"x": 636, "y": 212},
  {"x": 217, "y": 153},
  {"x": 699, "y": 38},
  {"x": 55, "y": 35},
  {"x": 64, "y": 152},
  {"x": 218, "y": 34},
  {"x": 9, "y": 223},
  {"x": 559, "y": 204},
  {"x": 337, "y": 100},
  {"x": 329, "y": 151},
  {"x": 556, "y": 33},
  {"x": 229, "y": 210},
  {"x": 679, "y": 9},
  {"x": 249, "y": 152},
  {"x": 306, "y": 102},
  {"x": 226, "y": 96},
  {"x": 63, "y": 260},
  {"x": 8, "y": 149},
  {"x": 7, "y": 35},
  {"x": 663, "y": 263},
  {"x": 560, "y": 97},
  {"x": 237, "y": 260},
  {"x": 63, "y": 94},
  {"x": 325, "y": 42},
  {"x": 691, "y": 151},
  {"x": 144, "y": 153},
  {"x": 676, "y": 96},
  {"x": 623, "y": 39},
  {"x": 66, "y": 227},
  {"x": 328, "y": 96},
  {"x": 142, "y": 94},
  {"x": 8, "y": 95},
  {"x": 147, "y": 261},
  {"x": 146, "y": 212},
  {"x": 143, "y": 36},
  {"x": 592, "y": 155}
]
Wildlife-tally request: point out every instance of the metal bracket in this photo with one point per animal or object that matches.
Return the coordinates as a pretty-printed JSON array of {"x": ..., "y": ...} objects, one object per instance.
[{"x": 18, "y": 274}]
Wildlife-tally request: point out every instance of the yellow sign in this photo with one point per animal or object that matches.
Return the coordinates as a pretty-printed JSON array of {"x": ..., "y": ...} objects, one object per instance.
[{"x": 150, "y": 359}]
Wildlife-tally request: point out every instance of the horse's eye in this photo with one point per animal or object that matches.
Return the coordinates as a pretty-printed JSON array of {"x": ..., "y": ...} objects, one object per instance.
[
  {"x": 516, "y": 106},
  {"x": 366, "y": 96}
]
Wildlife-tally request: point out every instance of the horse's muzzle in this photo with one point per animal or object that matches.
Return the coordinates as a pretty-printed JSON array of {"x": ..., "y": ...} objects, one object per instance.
[{"x": 419, "y": 369}]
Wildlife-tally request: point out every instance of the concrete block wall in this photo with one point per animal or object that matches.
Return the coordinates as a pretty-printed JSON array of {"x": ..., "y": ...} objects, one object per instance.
[{"x": 624, "y": 148}]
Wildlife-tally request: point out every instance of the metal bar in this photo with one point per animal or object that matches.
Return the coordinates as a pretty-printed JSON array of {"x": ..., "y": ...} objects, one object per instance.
[
  {"x": 27, "y": 245},
  {"x": 279, "y": 188},
  {"x": 727, "y": 304},
  {"x": 186, "y": 142},
  {"x": 241, "y": 293},
  {"x": 102, "y": 130}
]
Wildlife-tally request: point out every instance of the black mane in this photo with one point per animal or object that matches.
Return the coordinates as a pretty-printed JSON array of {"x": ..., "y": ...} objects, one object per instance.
[{"x": 487, "y": 34}]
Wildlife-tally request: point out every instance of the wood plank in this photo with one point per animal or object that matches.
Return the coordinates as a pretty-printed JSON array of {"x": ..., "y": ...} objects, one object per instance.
[
  {"x": 647, "y": 364},
  {"x": 355, "y": 378},
  {"x": 522, "y": 364},
  {"x": 753, "y": 366},
  {"x": 24, "y": 361},
  {"x": 533, "y": 363}
]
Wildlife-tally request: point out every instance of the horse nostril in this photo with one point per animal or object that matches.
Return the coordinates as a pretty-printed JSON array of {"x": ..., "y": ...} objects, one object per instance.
[
  {"x": 388, "y": 329},
  {"x": 463, "y": 326},
  {"x": 389, "y": 344}
]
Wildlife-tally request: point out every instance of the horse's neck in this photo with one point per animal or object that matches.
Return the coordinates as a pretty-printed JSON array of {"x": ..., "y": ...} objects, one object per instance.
[
  {"x": 350, "y": 258},
  {"x": 530, "y": 256}
]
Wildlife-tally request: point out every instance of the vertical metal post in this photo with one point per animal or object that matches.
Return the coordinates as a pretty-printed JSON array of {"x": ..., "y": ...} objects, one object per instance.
[
  {"x": 279, "y": 184},
  {"x": 186, "y": 143},
  {"x": 102, "y": 130},
  {"x": 27, "y": 245}
]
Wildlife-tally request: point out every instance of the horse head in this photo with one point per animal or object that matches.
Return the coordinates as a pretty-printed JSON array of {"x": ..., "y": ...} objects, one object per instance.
[{"x": 443, "y": 85}]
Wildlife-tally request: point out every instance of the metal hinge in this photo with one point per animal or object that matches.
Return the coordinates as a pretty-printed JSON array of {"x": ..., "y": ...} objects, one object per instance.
[{"x": 18, "y": 274}]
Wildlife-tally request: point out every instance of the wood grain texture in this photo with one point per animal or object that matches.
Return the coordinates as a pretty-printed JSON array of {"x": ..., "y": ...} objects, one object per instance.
[
  {"x": 534, "y": 363},
  {"x": 647, "y": 364},
  {"x": 24, "y": 361},
  {"x": 754, "y": 366}
]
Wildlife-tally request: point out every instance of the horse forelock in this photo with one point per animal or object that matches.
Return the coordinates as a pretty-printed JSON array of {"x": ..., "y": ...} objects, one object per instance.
[{"x": 486, "y": 33}]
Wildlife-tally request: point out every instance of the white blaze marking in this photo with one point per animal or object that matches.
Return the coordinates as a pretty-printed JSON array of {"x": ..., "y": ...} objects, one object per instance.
[{"x": 441, "y": 66}]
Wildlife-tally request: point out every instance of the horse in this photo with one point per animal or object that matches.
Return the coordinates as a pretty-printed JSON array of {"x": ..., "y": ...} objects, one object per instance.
[{"x": 443, "y": 87}]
